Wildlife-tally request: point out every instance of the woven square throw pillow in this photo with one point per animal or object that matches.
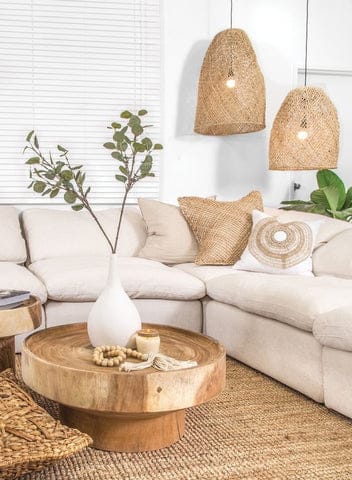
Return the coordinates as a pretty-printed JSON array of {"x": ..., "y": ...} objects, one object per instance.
[
  {"x": 221, "y": 228},
  {"x": 30, "y": 438},
  {"x": 279, "y": 247}
]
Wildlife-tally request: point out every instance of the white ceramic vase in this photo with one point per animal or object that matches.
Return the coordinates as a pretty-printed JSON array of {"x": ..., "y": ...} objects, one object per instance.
[{"x": 113, "y": 319}]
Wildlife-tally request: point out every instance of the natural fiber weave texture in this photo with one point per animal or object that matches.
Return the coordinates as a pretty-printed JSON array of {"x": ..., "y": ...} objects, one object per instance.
[
  {"x": 310, "y": 110},
  {"x": 281, "y": 245},
  {"x": 222, "y": 229},
  {"x": 257, "y": 429},
  {"x": 222, "y": 110},
  {"x": 30, "y": 438}
]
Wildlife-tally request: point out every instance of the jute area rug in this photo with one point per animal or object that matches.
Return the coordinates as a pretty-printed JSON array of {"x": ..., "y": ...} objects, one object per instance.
[{"x": 257, "y": 429}]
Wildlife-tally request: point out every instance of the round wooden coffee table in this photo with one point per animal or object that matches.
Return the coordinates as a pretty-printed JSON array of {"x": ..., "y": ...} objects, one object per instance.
[
  {"x": 14, "y": 321},
  {"x": 127, "y": 412}
]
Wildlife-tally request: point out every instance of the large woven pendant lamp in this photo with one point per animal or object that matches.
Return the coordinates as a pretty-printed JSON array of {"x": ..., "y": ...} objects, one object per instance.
[
  {"x": 231, "y": 91},
  {"x": 305, "y": 132}
]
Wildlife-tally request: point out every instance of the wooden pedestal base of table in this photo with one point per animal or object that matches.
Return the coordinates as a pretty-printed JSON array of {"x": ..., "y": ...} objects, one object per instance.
[
  {"x": 7, "y": 353},
  {"x": 126, "y": 412},
  {"x": 127, "y": 433},
  {"x": 14, "y": 321}
]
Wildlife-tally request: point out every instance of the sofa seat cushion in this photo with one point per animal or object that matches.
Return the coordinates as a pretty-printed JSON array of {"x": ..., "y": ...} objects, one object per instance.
[
  {"x": 17, "y": 277},
  {"x": 81, "y": 279},
  {"x": 294, "y": 300},
  {"x": 334, "y": 328},
  {"x": 205, "y": 272}
]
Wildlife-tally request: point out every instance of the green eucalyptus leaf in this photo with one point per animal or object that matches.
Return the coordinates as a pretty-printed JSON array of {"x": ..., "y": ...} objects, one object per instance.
[
  {"x": 137, "y": 130},
  {"x": 158, "y": 146},
  {"x": 123, "y": 170},
  {"x": 50, "y": 175},
  {"x": 142, "y": 112},
  {"x": 77, "y": 208},
  {"x": 62, "y": 149},
  {"x": 119, "y": 136},
  {"x": 147, "y": 143},
  {"x": 116, "y": 125},
  {"x": 54, "y": 192},
  {"x": 138, "y": 147},
  {"x": 134, "y": 121},
  {"x": 33, "y": 161},
  {"x": 39, "y": 187},
  {"x": 29, "y": 136},
  {"x": 121, "y": 178},
  {"x": 109, "y": 145},
  {"x": 48, "y": 190},
  {"x": 117, "y": 156},
  {"x": 126, "y": 114},
  {"x": 70, "y": 196},
  {"x": 66, "y": 175},
  {"x": 36, "y": 142}
]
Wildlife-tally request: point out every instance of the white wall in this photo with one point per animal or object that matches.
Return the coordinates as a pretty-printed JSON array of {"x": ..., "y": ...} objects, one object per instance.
[{"x": 231, "y": 166}]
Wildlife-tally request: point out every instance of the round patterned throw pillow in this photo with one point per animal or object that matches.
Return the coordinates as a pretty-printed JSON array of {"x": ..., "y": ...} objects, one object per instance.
[
  {"x": 281, "y": 245},
  {"x": 277, "y": 247}
]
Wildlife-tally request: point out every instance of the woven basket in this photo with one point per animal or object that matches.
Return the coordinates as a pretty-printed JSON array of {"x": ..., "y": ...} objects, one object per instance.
[
  {"x": 30, "y": 438},
  {"x": 306, "y": 109},
  {"x": 222, "y": 110},
  {"x": 222, "y": 229}
]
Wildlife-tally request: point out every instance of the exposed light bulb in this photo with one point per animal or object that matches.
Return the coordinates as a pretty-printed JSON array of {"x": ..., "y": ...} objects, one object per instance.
[
  {"x": 302, "y": 135},
  {"x": 230, "y": 83}
]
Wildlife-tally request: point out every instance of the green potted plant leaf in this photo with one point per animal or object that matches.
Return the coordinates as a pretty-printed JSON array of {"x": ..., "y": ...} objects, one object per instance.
[
  {"x": 330, "y": 198},
  {"x": 114, "y": 317}
]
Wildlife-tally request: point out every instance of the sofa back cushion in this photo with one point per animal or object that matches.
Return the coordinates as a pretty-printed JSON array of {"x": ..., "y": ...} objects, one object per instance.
[
  {"x": 335, "y": 256},
  {"x": 328, "y": 229},
  {"x": 64, "y": 233},
  {"x": 12, "y": 244}
]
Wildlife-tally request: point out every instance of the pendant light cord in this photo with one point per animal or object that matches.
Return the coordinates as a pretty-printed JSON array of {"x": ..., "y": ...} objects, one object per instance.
[
  {"x": 306, "y": 47},
  {"x": 231, "y": 10}
]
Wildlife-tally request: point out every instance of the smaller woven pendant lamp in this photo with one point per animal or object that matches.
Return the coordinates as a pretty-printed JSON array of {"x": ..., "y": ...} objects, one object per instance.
[
  {"x": 231, "y": 91},
  {"x": 305, "y": 132}
]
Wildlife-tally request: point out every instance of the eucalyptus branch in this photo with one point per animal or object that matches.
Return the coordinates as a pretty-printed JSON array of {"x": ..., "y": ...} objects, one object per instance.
[{"x": 133, "y": 154}]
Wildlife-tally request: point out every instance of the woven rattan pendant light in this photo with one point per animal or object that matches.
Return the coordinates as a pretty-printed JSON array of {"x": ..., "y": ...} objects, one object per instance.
[
  {"x": 305, "y": 132},
  {"x": 231, "y": 91}
]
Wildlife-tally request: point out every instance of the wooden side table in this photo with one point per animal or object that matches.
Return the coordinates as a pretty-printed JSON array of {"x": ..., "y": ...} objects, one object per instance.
[{"x": 14, "y": 321}]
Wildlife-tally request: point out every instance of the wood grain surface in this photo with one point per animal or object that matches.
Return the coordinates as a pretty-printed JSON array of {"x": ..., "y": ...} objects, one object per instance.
[
  {"x": 128, "y": 412},
  {"x": 57, "y": 363},
  {"x": 7, "y": 353},
  {"x": 21, "y": 319}
]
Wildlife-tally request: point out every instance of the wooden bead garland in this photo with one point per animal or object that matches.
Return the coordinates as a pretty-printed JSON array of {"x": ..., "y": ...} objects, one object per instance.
[{"x": 115, "y": 356}]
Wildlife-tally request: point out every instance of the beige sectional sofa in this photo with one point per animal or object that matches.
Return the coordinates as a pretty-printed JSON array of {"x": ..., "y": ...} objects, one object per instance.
[{"x": 297, "y": 329}]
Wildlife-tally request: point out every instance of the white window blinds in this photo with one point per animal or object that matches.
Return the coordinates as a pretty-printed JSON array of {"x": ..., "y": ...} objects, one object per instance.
[{"x": 67, "y": 69}]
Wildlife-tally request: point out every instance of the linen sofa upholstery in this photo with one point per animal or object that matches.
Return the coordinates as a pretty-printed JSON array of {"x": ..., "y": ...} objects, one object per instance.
[
  {"x": 17, "y": 277},
  {"x": 288, "y": 354},
  {"x": 70, "y": 279},
  {"x": 334, "y": 258},
  {"x": 179, "y": 313},
  {"x": 12, "y": 244},
  {"x": 291, "y": 299},
  {"x": 334, "y": 328},
  {"x": 64, "y": 233}
]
